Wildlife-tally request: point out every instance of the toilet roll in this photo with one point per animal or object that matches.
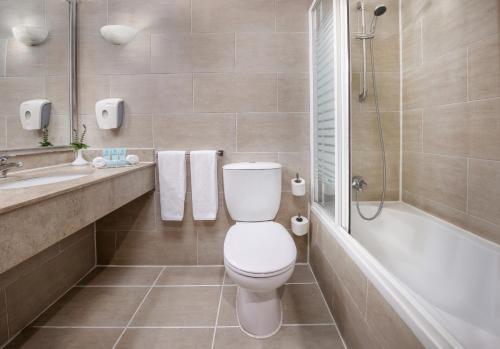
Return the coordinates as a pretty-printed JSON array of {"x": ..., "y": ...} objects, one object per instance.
[
  {"x": 298, "y": 188},
  {"x": 300, "y": 225}
]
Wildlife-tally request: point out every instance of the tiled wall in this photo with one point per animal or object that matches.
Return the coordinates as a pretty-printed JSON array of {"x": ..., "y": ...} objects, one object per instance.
[
  {"x": 451, "y": 101},
  {"x": 30, "y": 287},
  {"x": 33, "y": 72},
  {"x": 216, "y": 74},
  {"x": 363, "y": 316},
  {"x": 366, "y": 156}
]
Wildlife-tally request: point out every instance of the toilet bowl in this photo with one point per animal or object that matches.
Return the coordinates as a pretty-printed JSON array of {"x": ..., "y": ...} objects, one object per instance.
[
  {"x": 259, "y": 254},
  {"x": 259, "y": 258}
]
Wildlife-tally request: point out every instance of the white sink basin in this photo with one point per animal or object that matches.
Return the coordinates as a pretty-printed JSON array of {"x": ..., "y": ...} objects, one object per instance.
[{"x": 31, "y": 182}]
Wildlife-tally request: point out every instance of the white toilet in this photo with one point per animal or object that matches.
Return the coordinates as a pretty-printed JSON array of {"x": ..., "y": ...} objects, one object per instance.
[{"x": 259, "y": 254}]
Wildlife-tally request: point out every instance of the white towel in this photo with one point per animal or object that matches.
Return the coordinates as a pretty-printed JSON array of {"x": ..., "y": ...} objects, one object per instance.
[
  {"x": 99, "y": 162},
  {"x": 172, "y": 179},
  {"x": 204, "y": 187}
]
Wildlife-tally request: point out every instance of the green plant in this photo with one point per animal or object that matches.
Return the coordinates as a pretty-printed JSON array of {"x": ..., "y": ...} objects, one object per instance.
[
  {"x": 78, "y": 141},
  {"x": 45, "y": 138}
]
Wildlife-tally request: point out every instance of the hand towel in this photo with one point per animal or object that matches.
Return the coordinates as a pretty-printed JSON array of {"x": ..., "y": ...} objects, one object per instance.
[
  {"x": 132, "y": 159},
  {"x": 99, "y": 162},
  {"x": 204, "y": 189},
  {"x": 172, "y": 179}
]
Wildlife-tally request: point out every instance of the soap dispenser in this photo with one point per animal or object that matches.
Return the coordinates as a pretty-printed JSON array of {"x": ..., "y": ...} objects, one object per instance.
[
  {"x": 109, "y": 113},
  {"x": 35, "y": 114}
]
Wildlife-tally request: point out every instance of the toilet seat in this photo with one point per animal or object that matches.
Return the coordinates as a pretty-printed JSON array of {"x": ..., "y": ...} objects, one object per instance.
[{"x": 260, "y": 249}]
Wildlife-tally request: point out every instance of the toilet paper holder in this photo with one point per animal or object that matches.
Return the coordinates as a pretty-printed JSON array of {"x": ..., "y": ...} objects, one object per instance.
[
  {"x": 298, "y": 185},
  {"x": 300, "y": 225}
]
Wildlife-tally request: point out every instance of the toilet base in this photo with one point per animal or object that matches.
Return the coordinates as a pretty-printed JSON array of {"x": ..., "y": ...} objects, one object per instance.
[{"x": 259, "y": 314}]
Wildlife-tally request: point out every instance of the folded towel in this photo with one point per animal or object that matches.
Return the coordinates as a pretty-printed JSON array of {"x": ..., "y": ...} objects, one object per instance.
[
  {"x": 172, "y": 179},
  {"x": 132, "y": 159},
  {"x": 99, "y": 162},
  {"x": 204, "y": 188}
]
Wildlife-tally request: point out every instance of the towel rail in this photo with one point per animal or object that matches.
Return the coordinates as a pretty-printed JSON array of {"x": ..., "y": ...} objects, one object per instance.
[{"x": 219, "y": 153}]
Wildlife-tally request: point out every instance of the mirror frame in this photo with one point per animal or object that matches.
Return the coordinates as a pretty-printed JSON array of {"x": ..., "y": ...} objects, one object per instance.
[{"x": 73, "y": 98}]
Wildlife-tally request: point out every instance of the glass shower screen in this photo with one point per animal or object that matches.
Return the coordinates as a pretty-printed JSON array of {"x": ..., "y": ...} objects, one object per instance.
[{"x": 323, "y": 104}]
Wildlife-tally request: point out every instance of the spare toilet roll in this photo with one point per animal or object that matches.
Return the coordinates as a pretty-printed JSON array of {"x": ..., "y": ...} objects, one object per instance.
[
  {"x": 300, "y": 225},
  {"x": 298, "y": 188}
]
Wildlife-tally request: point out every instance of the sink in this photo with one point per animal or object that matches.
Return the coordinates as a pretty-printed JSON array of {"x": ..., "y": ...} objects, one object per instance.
[{"x": 31, "y": 182}]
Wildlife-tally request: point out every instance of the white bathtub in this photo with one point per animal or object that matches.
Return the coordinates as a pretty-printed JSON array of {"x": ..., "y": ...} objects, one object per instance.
[{"x": 454, "y": 274}]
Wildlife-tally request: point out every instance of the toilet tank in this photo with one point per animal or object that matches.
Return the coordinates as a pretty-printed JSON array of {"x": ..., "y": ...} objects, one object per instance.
[{"x": 252, "y": 190}]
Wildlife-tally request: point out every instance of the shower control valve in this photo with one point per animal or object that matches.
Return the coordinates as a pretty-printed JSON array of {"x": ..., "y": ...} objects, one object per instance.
[{"x": 358, "y": 183}]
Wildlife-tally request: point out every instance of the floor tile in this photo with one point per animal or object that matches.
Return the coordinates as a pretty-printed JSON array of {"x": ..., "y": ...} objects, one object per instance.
[
  {"x": 179, "y": 306},
  {"x": 67, "y": 338},
  {"x": 192, "y": 276},
  {"x": 292, "y": 337},
  {"x": 227, "y": 312},
  {"x": 178, "y": 338},
  {"x": 304, "y": 304},
  {"x": 302, "y": 273},
  {"x": 122, "y": 276},
  {"x": 94, "y": 306}
]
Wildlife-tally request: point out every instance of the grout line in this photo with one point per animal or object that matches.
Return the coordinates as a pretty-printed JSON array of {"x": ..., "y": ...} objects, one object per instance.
[
  {"x": 175, "y": 327},
  {"x": 178, "y": 285},
  {"x": 46, "y": 308},
  {"x": 137, "y": 310},
  {"x": 218, "y": 310},
  {"x": 328, "y": 308}
]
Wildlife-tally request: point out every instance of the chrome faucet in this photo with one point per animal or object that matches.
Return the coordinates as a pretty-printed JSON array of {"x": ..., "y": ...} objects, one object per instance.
[
  {"x": 358, "y": 183},
  {"x": 6, "y": 166}
]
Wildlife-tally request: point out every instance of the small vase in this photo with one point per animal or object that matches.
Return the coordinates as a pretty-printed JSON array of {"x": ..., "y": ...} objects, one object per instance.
[{"x": 79, "y": 161}]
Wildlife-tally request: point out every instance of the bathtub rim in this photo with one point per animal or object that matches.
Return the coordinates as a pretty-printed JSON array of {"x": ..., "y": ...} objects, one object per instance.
[{"x": 425, "y": 327}]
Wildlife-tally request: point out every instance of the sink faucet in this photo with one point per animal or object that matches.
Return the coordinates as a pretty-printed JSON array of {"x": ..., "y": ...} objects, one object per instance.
[{"x": 6, "y": 166}]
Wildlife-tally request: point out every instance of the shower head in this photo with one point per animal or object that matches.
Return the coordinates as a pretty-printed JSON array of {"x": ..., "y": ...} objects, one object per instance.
[{"x": 379, "y": 10}]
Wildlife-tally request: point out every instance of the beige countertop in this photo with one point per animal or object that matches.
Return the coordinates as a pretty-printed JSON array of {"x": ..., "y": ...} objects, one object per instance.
[{"x": 11, "y": 199}]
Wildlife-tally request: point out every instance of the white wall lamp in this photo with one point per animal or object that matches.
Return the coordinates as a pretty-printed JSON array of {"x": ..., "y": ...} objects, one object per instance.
[
  {"x": 30, "y": 36},
  {"x": 118, "y": 34}
]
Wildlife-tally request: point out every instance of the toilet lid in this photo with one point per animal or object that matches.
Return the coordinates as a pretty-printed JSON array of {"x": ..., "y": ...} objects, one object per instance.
[{"x": 259, "y": 248}]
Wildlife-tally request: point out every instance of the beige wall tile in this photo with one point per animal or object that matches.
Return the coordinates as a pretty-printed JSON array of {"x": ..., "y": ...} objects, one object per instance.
[
  {"x": 465, "y": 22},
  {"x": 388, "y": 92},
  {"x": 292, "y": 15},
  {"x": 3, "y": 53},
  {"x": 57, "y": 91},
  {"x": 412, "y": 130},
  {"x": 412, "y": 46},
  {"x": 51, "y": 280},
  {"x": 158, "y": 93},
  {"x": 266, "y": 53},
  {"x": 195, "y": 131},
  {"x": 3, "y": 132},
  {"x": 294, "y": 163},
  {"x": 235, "y": 92},
  {"x": 206, "y": 53},
  {"x": 14, "y": 91},
  {"x": 233, "y": 16},
  {"x": 391, "y": 331},
  {"x": 483, "y": 192},
  {"x": 91, "y": 16},
  {"x": 445, "y": 130},
  {"x": 97, "y": 56},
  {"x": 484, "y": 68},
  {"x": 323, "y": 272},
  {"x": 135, "y": 131},
  {"x": 439, "y": 178},
  {"x": 90, "y": 90},
  {"x": 484, "y": 129},
  {"x": 154, "y": 16},
  {"x": 364, "y": 131},
  {"x": 385, "y": 51},
  {"x": 14, "y": 12},
  {"x": 293, "y": 92},
  {"x": 279, "y": 132},
  {"x": 290, "y": 206}
]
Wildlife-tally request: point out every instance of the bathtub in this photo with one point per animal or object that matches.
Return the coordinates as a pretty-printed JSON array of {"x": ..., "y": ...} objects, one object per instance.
[{"x": 452, "y": 273}]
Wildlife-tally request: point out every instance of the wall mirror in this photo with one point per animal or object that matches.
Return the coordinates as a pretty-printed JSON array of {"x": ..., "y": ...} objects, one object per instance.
[{"x": 36, "y": 73}]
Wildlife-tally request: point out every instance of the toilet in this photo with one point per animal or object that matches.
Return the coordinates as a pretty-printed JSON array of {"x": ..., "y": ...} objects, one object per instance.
[{"x": 259, "y": 254}]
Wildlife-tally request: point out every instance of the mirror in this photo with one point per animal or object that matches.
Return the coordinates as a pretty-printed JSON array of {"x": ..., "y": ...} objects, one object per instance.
[{"x": 36, "y": 87}]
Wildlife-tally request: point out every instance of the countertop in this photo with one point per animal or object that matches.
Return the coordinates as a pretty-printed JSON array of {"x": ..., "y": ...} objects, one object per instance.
[{"x": 11, "y": 199}]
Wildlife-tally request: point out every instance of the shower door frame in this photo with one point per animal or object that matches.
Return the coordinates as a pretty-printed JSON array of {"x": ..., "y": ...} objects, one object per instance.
[{"x": 342, "y": 88}]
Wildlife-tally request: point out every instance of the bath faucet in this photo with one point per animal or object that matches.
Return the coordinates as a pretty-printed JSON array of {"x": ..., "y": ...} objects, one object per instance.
[
  {"x": 358, "y": 183},
  {"x": 6, "y": 166}
]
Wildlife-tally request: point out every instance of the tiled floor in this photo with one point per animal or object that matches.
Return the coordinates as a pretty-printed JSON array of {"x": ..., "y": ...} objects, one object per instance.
[{"x": 175, "y": 308}]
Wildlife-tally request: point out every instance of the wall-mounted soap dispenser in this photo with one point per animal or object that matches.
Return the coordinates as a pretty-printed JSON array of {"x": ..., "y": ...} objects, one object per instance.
[
  {"x": 109, "y": 113},
  {"x": 35, "y": 114}
]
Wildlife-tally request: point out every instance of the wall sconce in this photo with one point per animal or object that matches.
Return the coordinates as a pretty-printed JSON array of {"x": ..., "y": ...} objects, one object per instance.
[
  {"x": 118, "y": 34},
  {"x": 30, "y": 36}
]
